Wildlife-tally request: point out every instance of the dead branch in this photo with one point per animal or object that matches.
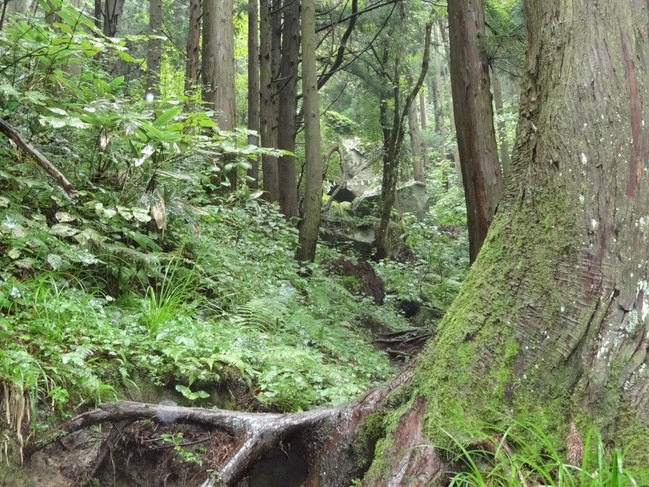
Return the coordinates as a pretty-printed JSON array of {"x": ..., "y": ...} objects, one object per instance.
[{"x": 17, "y": 138}]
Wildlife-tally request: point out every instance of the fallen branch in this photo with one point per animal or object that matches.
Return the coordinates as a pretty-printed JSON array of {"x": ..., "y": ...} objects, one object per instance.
[{"x": 17, "y": 138}]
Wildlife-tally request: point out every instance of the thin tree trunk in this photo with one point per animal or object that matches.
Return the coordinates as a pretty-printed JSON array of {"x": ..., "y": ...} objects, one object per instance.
[
  {"x": 253, "y": 88},
  {"x": 472, "y": 106},
  {"x": 287, "y": 129},
  {"x": 310, "y": 225},
  {"x": 193, "y": 45},
  {"x": 423, "y": 107},
  {"x": 268, "y": 119},
  {"x": 415, "y": 145},
  {"x": 98, "y": 14},
  {"x": 154, "y": 48},
  {"x": 393, "y": 133},
  {"x": 112, "y": 13},
  {"x": 505, "y": 159}
]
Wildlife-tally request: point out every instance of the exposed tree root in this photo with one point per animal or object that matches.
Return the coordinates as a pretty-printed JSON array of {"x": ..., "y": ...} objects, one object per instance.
[{"x": 329, "y": 435}]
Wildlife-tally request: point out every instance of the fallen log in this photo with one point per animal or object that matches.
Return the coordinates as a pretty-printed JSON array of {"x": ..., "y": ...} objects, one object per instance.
[{"x": 20, "y": 141}]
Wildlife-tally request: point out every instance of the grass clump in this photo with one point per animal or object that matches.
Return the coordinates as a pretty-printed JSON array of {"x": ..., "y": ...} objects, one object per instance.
[{"x": 523, "y": 455}]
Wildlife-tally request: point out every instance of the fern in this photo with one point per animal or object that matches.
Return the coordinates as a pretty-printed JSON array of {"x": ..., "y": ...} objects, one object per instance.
[{"x": 263, "y": 314}]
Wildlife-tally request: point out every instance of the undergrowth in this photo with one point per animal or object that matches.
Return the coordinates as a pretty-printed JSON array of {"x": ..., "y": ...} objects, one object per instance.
[{"x": 513, "y": 458}]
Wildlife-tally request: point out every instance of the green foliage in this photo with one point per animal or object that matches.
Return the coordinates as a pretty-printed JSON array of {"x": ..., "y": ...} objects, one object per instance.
[
  {"x": 510, "y": 460},
  {"x": 439, "y": 245}
]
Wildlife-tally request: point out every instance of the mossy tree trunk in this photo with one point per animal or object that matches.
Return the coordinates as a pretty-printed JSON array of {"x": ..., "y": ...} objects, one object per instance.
[{"x": 552, "y": 322}]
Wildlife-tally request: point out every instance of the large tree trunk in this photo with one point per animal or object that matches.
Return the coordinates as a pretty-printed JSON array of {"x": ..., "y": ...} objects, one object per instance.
[
  {"x": 287, "y": 129},
  {"x": 474, "y": 118},
  {"x": 218, "y": 61},
  {"x": 551, "y": 323},
  {"x": 310, "y": 225},
  {"x": 219, "y": 67}
]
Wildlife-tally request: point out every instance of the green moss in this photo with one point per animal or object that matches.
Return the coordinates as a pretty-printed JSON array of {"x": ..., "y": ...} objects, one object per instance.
[
  {"x": 488, "y": 364},
  {"x": 633, "y": 438}
]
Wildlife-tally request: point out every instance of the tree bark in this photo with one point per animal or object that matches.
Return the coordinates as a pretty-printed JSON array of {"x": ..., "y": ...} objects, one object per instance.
[
  {"x": 481, "y": 173},
  {"x": 253, "y": 88},
  {"x": 268, "y": 114},
  {"x": 310, "y": 224},
  {"x": 218, "y": 61},
  {"x": 154, "y": 48},
  {"x": 287, "y": 129},
  {"x": 218, "y": 68},
  {"x": 193, "y": 45}
]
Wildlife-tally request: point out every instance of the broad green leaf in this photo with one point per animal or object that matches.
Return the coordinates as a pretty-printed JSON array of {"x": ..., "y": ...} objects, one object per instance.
[
  {"x": 145, "y": 153},
  {"x": 116, "y": 83},
  {"x": 167, "y": 116},
  {"x": 58, "y": 111},
  {"x": 63, "y": 230},
  {"x": 141, "y": 214},
  {"x": 55, "y": 261},
  {"x": 192, "y": 396}
]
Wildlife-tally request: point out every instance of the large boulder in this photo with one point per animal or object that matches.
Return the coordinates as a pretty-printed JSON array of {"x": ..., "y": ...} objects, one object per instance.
[{"x": 411, "y": 197}]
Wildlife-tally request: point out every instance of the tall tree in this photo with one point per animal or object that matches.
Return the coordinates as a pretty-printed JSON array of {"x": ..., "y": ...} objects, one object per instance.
[
  {"x": 310, "y": 224},
  {"x": 193, "y": 44},
  {"x": 287, "y": 129},
  {"x": 219, "y": 65},
  {"x": 253, "y": 87},
  {"x": 267, "y": 109},
  {"x": 154, "y": 47},
  {"x": 473, "y": 111},
  {"x": 394, "y": 109}
]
